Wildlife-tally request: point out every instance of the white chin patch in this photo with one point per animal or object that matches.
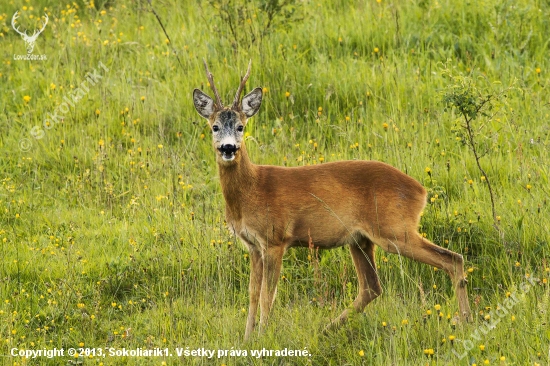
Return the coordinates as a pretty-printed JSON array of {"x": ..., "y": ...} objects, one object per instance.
[{"x": 228, "y": 157}]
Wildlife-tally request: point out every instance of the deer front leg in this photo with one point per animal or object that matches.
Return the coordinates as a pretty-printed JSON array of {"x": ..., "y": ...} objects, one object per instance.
[
  {"x": 254, "y": 288},
  {"x": 272, "y": 262}
]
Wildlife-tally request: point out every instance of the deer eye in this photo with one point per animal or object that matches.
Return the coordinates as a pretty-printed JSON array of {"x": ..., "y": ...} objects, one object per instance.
[
  {"x": 215, "y": 128},
  {"x": 240, "y": 128}
]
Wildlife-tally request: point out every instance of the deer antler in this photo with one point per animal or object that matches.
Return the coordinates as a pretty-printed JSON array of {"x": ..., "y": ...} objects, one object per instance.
[
  {"x": 218, "y": 103},
  {"x": 15, "y": 16},
  {"x": 43, "y": 26},
  {"x": 236, "y": 104}
]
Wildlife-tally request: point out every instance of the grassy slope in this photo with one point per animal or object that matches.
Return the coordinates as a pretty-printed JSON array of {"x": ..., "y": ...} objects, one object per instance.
[{"x": 111, "y": 226}]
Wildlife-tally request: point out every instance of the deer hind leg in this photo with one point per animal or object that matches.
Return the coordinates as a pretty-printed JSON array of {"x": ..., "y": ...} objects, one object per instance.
[
  {"x": 422, "y": 250},
  {"x": 272, "y": 262},
  {"x": 369, "y": 287},
  {"x": 254, "y": 288}
]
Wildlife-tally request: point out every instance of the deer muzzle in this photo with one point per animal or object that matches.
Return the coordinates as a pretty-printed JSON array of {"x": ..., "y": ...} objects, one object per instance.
[{"x": 228, "y": 151}]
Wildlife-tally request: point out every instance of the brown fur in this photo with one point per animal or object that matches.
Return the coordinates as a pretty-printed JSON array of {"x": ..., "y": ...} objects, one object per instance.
[{"x": 355, "y": 203}]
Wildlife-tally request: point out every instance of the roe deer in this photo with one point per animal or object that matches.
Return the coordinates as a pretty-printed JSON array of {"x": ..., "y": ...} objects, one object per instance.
[{"x": 272, "y": 208}]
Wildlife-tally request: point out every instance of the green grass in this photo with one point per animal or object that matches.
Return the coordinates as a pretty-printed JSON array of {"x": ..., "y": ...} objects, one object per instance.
[{"x": 112, "y": 225}]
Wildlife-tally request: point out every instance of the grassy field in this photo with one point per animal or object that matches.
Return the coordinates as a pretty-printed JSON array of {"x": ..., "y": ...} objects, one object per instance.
[{"x": 112, "y": 226}]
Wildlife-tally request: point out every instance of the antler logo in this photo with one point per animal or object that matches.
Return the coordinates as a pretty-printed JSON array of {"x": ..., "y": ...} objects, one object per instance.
[{"x": 29, "y": 40}]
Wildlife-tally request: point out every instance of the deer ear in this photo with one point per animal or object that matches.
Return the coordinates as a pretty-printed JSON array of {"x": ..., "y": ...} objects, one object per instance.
[
  {"x": 251, "y": 102},
  {"x": 203, "y": 103}
]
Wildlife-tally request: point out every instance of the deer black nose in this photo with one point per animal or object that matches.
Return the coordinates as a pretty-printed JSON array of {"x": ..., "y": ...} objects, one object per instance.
[{"x": 228, "y": 149}]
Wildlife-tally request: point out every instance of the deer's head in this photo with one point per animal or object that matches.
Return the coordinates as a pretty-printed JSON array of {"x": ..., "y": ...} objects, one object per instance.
[
  {"x": 227, "y": 123},
  {"x": 29, "y": 40}
]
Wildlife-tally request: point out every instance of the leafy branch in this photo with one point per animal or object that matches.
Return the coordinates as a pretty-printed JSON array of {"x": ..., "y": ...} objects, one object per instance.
[{"x": 476, "y": 101}]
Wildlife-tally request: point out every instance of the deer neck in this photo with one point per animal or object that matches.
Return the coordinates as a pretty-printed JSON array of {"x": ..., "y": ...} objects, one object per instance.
[{"x": 238, "y": 180}]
